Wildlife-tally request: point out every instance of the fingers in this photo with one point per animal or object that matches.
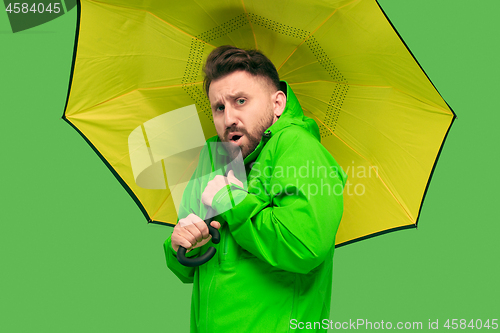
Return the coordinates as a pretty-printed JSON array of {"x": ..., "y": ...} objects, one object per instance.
[
  {"x": 212, "y": 188},
  {"x": 209, "y": 192},
  {"x": 199, "y": 230},
  {"x": 189, "y": 229},
  {"x": 190, "y": 219},
  {"x": 180, "y": 238},
  {"x": 191, "y": 232}
]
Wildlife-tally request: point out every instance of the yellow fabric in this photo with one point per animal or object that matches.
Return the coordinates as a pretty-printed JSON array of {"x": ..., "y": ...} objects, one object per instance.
[{"x": 378, "y": 114}]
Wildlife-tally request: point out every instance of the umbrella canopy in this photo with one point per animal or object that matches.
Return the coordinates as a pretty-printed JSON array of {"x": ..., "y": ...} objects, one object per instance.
[{"x": 378, "y": 113}]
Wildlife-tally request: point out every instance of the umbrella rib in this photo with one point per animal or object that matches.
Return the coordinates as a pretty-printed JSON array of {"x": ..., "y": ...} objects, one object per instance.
[
  {"x": 144, "y": 10},
  {"x": 319, "y": 26},
  {"x": 373, "y": 86},
  {"x": 371, "y": 166},
  {"x": 251, "y": 26},
  {"x": 297, "y": 68},
  {"x": 214, "y": 20},
  {"x": 131, "y": 91}
]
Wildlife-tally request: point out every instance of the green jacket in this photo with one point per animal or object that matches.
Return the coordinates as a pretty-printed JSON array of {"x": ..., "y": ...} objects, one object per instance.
[{"x": 273, "y": 266}]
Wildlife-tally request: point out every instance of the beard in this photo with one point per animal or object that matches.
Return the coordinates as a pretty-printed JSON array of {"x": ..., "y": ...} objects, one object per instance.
[{"x": 253, "y": 137}]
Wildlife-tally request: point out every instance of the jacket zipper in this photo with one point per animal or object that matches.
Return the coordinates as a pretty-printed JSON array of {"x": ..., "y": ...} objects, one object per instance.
[
  {"x": 223, "y": 249},
  {"x": 225, "y": 245}
]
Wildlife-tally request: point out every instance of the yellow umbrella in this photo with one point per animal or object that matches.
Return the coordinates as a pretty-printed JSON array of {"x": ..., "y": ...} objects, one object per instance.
[{"x": 378, "y": 113}]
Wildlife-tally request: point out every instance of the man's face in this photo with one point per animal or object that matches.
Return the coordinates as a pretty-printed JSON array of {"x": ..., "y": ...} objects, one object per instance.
[{"x": 243, "y": 107}]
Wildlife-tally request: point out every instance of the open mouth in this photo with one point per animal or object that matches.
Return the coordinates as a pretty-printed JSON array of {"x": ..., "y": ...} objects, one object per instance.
[{"x": 235, "y": 137}]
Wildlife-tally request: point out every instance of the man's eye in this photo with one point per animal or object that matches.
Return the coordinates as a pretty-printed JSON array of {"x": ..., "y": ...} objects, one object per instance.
[
  {"x": 240, "y": 101},
  {"x": 220, "y": 108}
]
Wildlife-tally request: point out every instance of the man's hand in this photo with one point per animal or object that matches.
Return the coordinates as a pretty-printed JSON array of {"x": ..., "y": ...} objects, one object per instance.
[
  {"x": 216, "y": 184},
  {"x": 191, "y": 232}
]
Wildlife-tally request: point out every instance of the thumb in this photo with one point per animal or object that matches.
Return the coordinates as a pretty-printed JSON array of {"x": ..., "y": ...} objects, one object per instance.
[
  {"x": 215, "y": 224},
  {"x": 232, "y": 178}
]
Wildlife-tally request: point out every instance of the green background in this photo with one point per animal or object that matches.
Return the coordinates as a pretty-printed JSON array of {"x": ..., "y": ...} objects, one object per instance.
[{"x": 78, "y": 256}]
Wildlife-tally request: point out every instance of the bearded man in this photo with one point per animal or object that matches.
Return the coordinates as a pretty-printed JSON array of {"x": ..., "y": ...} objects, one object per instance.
[{"x": 273, "y": 267}]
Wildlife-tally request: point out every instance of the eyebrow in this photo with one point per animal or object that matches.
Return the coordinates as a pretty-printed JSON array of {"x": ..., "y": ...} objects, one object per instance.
[{"x": 232, "y": 96}]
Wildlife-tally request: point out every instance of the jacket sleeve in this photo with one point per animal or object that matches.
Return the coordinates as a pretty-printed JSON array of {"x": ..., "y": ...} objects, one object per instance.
[
  {"x": 291, "y": 213},
  {"x": 184, "y": 273}
]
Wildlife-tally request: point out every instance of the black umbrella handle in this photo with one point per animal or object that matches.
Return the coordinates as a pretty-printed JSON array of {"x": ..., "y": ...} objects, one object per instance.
[{"x": 197, "y": 261}]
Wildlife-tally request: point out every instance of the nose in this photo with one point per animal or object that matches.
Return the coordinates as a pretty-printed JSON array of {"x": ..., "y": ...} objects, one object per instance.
[{"x": 230, "y": 118}]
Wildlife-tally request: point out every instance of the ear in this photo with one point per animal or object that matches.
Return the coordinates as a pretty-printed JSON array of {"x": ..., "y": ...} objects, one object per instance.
[{"x": 279, "y": 104}]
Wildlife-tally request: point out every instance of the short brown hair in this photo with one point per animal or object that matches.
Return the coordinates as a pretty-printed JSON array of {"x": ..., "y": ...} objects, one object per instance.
[{"x": 227, "y": 59}]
